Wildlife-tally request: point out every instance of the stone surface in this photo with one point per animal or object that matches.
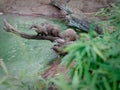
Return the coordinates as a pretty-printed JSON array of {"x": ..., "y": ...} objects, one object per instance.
[{"x": 43, "y": 7}]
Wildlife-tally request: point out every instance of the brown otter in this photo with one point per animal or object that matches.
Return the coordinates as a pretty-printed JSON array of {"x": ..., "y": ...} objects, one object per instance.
[
  {"x": 59, "y": 42},
  {"x": 52, "y": 30},
  {"x": 46, "y": 29},
  {"x": 58, "y": 46},
  {"x": 41, "y": 30},
  {"x": 69, "y": 35}
]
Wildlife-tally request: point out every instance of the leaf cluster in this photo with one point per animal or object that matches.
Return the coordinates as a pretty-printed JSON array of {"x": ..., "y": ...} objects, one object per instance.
[{"x": 97, "y": 59}]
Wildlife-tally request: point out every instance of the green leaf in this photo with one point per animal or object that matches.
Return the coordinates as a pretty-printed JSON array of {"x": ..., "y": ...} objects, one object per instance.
[
  {"x": 68, "y": 59},
  {"x": 106, "y": 84},
  {"x": 61, "y": 83},
  {"x": 99, "y": 53},
  {"x": 75, "y": 46},
  {"x": 75, "y": 80}
]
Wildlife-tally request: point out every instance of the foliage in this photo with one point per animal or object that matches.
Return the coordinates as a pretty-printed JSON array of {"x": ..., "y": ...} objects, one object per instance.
[{"x": 97, "y": 59}]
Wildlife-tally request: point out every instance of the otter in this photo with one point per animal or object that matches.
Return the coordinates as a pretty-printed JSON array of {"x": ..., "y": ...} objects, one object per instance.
[
  {"x": 59, "y": 42},
  {"x": 40, "y": 29},
  {"x": 52, "y": 30},
  {"x": 58, "y": 46},
  {"x": 46, "y": 29},
  {"x": 69, "y": 35}
]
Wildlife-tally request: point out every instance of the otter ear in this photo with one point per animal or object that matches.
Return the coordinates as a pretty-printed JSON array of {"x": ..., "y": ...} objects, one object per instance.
[{"x": 33, "y": 27}]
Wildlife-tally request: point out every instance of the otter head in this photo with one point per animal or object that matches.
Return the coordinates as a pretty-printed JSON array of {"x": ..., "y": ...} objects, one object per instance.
[{"x": 33, "y": 27}]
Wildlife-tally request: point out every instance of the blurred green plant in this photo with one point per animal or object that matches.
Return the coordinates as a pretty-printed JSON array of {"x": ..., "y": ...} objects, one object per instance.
[{"x": 97, "y": 59}]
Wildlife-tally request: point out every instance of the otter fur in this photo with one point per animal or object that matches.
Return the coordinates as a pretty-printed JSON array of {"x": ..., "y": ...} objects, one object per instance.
[
  {"x": 69, "y": 35},
  {"x": 52, "y": 30},
  {"x": 46, "y": 29},
  {"x": 41, "y": 30}
]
